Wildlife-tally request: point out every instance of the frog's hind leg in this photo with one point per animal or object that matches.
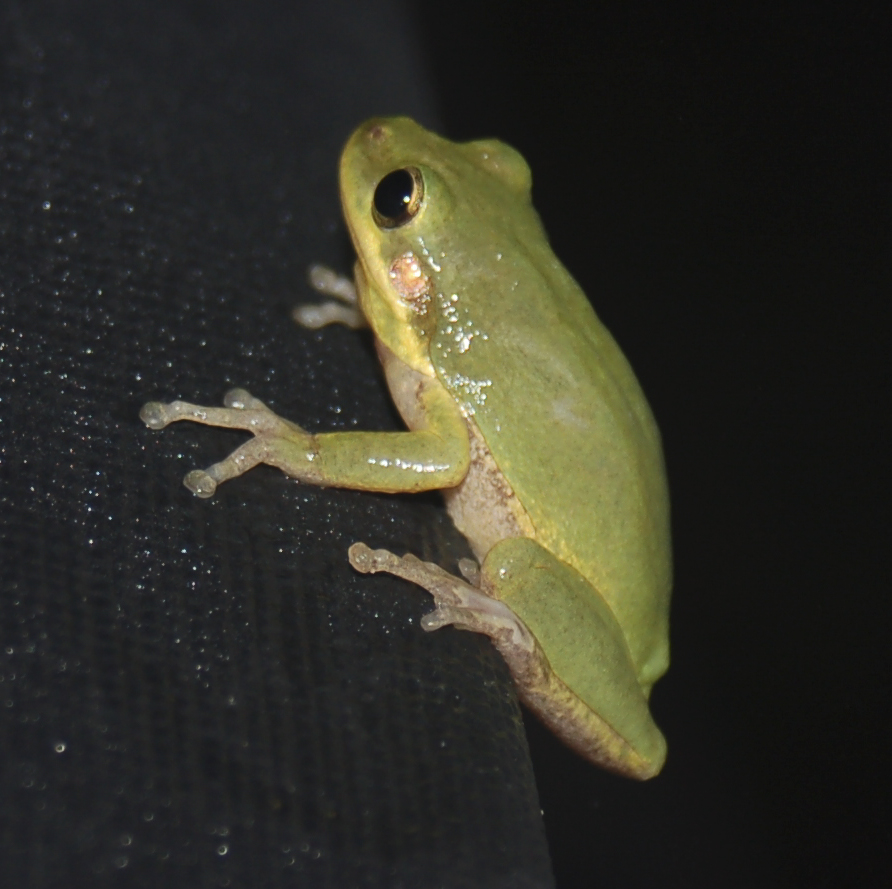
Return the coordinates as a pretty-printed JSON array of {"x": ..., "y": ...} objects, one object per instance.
[
  {"x": 458, "y": 602},
  {"x": 589, "y": 696}
]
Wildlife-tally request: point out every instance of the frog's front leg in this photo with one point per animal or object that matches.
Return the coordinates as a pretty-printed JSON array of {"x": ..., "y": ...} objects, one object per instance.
[
  {"x": 436, "y": 455},
  {"x": 342, "y": 308},
  {"x": 276, "y": 441}
]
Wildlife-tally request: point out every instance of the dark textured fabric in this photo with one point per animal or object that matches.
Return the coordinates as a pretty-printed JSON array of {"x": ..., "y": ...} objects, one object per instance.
[{"x": 203, "y": 693}]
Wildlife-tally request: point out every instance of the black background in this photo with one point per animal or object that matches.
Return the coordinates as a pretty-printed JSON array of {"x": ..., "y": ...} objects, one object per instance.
[{"x": 717, "y": 180}]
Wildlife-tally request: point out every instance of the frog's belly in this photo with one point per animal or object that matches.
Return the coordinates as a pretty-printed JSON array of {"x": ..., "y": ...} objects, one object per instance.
[{"x": 484, "y": 507}]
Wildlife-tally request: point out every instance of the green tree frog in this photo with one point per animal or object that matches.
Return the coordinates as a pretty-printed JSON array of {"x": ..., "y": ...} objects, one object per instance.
[{"x": 520, "y": 408}]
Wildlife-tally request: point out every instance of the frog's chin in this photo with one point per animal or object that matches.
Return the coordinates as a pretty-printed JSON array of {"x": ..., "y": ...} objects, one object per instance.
[{"x": 395, "y": 325}]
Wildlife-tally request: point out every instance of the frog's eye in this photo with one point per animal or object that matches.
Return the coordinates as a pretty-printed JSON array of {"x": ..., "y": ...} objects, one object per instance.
[{"x": 398, "y": 197}]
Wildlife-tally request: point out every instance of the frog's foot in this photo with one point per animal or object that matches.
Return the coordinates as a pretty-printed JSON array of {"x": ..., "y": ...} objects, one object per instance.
[
  {"x": 276, "y": 442},
  {"x": 460, "y": 603},
  {"x": 341, "y": 309}
]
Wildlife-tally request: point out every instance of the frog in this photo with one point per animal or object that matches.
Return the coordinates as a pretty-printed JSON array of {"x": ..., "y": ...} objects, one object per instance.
[{"x": 520, "y": 408}]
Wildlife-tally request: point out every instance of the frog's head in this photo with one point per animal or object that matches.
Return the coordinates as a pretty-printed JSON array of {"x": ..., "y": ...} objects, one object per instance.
[{"x": 422, "y": 212}]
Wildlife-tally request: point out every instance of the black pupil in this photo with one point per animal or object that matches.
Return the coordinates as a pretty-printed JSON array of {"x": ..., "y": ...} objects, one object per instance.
[{"x": 394, "y": 194}]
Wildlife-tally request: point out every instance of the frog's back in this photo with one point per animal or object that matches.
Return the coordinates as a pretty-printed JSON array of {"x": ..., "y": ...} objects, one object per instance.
[{"x": 569, "y": 427}]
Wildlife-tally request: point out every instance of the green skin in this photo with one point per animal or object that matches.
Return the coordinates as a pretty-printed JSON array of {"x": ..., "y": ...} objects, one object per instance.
[{"x": 522, "y": 408}]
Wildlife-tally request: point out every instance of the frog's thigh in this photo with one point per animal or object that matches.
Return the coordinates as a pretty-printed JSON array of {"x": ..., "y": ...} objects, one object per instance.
[{"x": 590, "y": 696}]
